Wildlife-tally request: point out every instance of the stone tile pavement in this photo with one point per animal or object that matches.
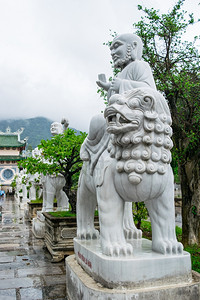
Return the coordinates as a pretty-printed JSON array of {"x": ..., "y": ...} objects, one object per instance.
[{"x": 26, "y": 270}]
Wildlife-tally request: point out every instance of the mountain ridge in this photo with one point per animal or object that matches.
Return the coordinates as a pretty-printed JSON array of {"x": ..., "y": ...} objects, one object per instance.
[{"x": 35, "y": 129}]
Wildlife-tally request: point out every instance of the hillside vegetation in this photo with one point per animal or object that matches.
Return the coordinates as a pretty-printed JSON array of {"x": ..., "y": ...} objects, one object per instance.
[{"x": 34, "y": 128}]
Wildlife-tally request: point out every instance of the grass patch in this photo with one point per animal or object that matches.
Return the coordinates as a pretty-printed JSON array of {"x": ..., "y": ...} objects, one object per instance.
[
  {"x": 62, "y": 214},
  {"x": 146, "y": 225},
  {"x": 37, "y": 201},
  {"x": 146, "y": 229},
  {"x": 193, "y": 250},
  {"x": 178, "y": 233}
]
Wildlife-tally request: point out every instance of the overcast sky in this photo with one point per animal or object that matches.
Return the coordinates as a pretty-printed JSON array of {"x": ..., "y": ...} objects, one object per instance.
[{"x": 51, "y": 52}]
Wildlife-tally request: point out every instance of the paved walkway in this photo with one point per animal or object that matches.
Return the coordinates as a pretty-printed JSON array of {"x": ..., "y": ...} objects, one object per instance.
[{"x": 26, "y": 270}]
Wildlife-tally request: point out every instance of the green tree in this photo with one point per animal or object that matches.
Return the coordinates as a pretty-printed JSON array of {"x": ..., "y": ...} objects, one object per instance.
[
  {"x": 60, "y": 155},
  {"x": 176, "y": 65},
  {"x": 139, "y": 213}
]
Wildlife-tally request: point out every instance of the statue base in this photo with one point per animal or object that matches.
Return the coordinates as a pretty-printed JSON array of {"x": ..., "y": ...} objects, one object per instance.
[
  {"x": 23, "y": 204},
  {"x": 38, "y": 226},
  {"x": 142, "y": 269},
  {"x": 80, "y": 285}
]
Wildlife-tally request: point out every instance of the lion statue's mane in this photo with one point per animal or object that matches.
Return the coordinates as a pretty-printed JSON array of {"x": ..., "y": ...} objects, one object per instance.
[{"x": 148, "y": 148}]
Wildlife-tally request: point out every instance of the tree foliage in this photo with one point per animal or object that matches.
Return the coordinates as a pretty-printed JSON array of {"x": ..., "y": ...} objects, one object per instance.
[
  {"x": 139, "y": 213},
  {"x": 176, "y": 65}
]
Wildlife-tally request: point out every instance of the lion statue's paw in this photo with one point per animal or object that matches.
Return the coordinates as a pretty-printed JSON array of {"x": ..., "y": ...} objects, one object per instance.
[
  {"x": 132, "y": 233},
  {"x": 117, "y": 249},
  {"x": 91, "y": 234},
  {"x": 168, "y": 247}
]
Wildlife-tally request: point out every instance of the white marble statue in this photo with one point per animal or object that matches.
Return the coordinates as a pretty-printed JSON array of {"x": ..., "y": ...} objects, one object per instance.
[
  {"x": 21, "y": 188},
  {"x": 36, "y": 152},
  {"x": 34, "y": 180},
  {"x": 53, "y": 184},
  {"x": 59, "y": 128},
  {"x": 24, "y": 192},
  {"x": 52, "y": 187},
  {"x": 18, "y": 189},
  {"x": 126, "y": 52},
  {"x": 24, "y": 200},
  {"x": 127, "y": 159}
]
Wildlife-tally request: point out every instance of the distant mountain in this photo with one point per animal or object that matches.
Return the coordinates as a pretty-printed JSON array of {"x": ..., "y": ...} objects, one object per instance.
[{"x": 35, "y": 129}]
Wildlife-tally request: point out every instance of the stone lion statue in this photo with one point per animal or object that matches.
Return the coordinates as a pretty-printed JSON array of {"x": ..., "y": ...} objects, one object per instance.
[
  {"x": 128, "y": 161},
  {"x": 53, "y": 188}
]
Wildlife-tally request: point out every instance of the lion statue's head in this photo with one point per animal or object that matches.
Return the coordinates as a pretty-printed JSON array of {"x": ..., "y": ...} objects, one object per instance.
[{"x": 139, "y": 122}]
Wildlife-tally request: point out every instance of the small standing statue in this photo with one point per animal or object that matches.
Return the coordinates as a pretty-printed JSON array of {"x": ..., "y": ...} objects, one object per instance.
[
  {"x": 53, "y": 184},
  {"x": 52, "y": 187}
]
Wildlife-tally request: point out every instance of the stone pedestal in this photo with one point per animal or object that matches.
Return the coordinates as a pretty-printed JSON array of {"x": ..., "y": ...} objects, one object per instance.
[
  {"x": 38, "y": 225},
  {"x": 145, "y": 275},
  {"x": 59, "y": 235},
  {"x": 82, "y": 286},
  {"x": 23, "y": 204},
  {"x": 33, "y": 208},
  {"x": 144, "y": 268},
  {"x": 26, "y": 212}
]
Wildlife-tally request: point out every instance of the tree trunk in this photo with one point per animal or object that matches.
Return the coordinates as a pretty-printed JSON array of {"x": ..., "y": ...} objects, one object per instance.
[
  {"x": 190, "y": 187},
  {"x": 72, "y": 198},
  {"x": 71, "y": 194}
]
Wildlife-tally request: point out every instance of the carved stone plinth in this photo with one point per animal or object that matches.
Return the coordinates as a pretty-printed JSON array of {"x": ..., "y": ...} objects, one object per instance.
[
  {"x": 82, "y": 286},
  {"x": 38, "y": 225},
  {"x": 32, "y": 209},
  {"x": 142, "y": 269},
  {"x": 23, "y": 204},
  {"x": 59, "y": 235}
]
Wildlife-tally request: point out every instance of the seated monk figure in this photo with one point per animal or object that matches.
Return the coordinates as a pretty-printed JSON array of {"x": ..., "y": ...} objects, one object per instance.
[{"x": 126, "y": 51}]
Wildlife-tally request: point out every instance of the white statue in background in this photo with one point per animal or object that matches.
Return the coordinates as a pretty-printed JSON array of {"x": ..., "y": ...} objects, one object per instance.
[
  {"x": 34, "y": 180},
  {"x": 127, "y": 159},
  {"x": 59, "y": 128},
  {"x": 18, "y": 189},
  {"x": 53, "y": 184},
  {"x": 23, "y": 176},
  {"x": 52, "y": 187}
]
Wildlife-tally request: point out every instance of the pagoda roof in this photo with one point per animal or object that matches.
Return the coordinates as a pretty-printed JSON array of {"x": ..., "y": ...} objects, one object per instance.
[
  {"x": 11, "y": 141},
  {"x": 10, "y": 157}
]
